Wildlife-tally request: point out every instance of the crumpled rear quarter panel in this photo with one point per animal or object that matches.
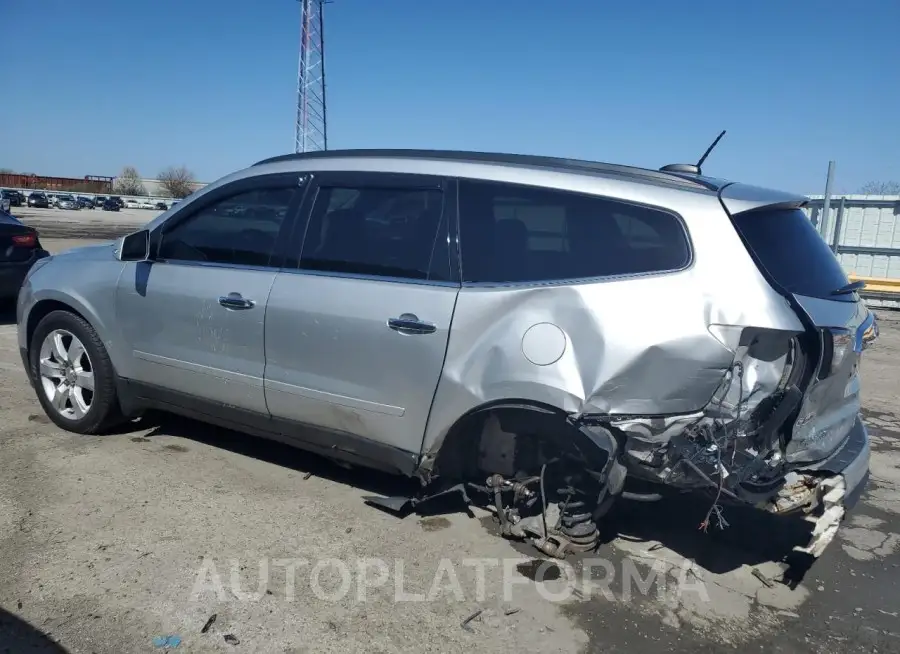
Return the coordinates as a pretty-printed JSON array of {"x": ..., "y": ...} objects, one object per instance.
[{"x": 632, "y": 345}]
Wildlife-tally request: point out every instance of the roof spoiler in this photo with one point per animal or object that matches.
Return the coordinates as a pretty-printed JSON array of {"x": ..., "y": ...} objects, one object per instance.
[{"x": 740, "y": 198}]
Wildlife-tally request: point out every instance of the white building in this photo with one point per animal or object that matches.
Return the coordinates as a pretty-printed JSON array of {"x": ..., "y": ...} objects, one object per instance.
[{"x": 154, "y": 188}]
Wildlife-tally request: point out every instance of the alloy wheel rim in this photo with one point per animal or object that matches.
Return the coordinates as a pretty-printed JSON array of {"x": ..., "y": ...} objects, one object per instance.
[{"x": 67, "y": 376}]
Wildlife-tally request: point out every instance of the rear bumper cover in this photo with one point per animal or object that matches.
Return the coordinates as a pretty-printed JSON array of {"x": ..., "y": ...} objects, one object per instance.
[
  {"x": 850, "y": 461},
  {"x": 826, "y": 491}
]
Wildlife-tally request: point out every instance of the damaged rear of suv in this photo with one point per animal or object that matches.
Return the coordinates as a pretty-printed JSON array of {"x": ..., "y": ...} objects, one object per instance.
[{"x": 687, "y": 333}]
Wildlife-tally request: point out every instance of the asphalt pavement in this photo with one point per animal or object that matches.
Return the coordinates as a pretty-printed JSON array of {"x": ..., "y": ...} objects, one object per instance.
[{"x": 84, "y": 223}]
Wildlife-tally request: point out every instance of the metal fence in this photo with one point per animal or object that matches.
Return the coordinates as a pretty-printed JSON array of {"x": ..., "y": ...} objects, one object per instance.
[{"x": 864, "y": 233}]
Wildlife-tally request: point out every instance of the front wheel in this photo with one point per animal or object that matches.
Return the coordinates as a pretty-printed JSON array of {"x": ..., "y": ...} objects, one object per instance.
[{"x": 74, "y": 378}]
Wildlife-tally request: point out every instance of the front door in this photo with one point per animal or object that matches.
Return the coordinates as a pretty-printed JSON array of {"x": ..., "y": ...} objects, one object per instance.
[
  {"x": 356, "y": 332},
  {"x": 194, "y": 317}
]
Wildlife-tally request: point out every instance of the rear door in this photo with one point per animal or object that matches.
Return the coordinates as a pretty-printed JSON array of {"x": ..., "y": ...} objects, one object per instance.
[
  {"x": 358, "y": 321},
  {"x": 793, "y": 255}
]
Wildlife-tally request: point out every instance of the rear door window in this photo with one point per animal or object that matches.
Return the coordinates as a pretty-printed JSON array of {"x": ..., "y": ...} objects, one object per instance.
[
  {"x": 511, "y": 233},
  {"x": 377, "y": 231},
  {"x": 785, "y": 243}
]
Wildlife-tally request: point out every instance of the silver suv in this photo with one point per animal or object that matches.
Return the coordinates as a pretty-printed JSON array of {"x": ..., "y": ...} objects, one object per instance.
[{"x": 536, "y": 334}]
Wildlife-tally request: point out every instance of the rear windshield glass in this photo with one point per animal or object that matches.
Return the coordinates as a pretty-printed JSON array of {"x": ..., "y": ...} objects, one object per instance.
[{"x": 792, "y": 252}]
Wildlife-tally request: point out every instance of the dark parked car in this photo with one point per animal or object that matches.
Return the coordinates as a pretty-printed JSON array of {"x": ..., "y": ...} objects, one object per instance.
[
  {"x": 162, "y": 206},
  {"x": 19, "y": 249},
  {"x": 85, "y": 202},
  {"x": 39, "y": 200},
  {"x": 15, "y": 198},
  {"x": 119, "y": 201},
  {"x": 109, "y": 204}
]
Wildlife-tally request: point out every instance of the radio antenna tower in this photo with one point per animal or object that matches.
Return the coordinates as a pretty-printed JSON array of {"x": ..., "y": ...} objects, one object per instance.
[{"x": 310, "y": 134}]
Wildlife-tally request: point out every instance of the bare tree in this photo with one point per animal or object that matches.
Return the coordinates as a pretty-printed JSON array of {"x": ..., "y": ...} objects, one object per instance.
[
  {"x": 129, "y": 182},
  {"x": 177, "y": 182},
  {"x": 880, "y": 188}
]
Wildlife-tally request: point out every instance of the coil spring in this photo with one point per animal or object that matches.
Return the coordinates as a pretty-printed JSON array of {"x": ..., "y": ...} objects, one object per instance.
[{"x": 576, "y": 521}]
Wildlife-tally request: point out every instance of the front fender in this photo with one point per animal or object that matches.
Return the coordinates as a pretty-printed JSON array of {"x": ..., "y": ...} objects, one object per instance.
[{"x": 89, "y": 290}]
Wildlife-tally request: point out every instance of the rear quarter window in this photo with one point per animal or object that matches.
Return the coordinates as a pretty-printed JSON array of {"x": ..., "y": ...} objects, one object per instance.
[
  {"x": 790, "y": 250},
  {"x": 511, "y": 233}
]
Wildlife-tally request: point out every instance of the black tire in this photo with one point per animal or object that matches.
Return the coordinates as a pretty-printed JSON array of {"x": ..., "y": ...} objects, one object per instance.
[{"x": 104, "y": 411}]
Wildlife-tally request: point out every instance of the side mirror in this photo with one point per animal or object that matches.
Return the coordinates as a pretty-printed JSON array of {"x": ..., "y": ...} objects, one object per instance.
[{"x": 134, "y": 246}]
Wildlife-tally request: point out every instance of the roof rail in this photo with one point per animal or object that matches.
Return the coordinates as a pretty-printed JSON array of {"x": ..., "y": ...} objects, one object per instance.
[{"x": 501, "y": 158}]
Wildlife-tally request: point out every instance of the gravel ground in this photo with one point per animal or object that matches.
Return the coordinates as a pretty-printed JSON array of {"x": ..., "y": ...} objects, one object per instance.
[{"x": 107, "y": 543}]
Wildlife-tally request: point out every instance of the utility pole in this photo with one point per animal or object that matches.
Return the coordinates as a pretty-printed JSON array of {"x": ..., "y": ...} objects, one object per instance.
[{"x": 310, "y": 133}]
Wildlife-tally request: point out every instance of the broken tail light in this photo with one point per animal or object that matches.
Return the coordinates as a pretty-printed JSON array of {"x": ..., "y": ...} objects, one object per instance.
[{"x": 837, "y": 344}]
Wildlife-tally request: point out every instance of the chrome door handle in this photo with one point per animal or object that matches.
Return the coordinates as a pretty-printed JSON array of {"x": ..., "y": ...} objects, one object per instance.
[
  {"x": 235, "y": 301},
  {"x": 409, "y": 323}
]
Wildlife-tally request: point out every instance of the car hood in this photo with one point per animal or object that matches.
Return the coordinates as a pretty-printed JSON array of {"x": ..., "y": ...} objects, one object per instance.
[{"x": 96, "y": 252}]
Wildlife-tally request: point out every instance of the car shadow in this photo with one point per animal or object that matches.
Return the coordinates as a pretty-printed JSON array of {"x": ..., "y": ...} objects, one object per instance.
[
  {"x": 17, "y": 635},
  {"x": 746, "y": 536},
  {"x": 371, "y": 481},
  {"x": 751, "y": 536}
]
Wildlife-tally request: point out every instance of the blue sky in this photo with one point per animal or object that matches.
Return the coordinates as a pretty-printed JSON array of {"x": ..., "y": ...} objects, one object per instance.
[{"x": 210, "y": 83}]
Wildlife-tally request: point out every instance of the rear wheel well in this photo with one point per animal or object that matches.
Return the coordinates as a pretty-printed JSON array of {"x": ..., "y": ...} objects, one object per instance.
[
  {"x": 520, "y": 458},
  {"x": 513, "y": 434},
  {"x": 43, "y": 308}
]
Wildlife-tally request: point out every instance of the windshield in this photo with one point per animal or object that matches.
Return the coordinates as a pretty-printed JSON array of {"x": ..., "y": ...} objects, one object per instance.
[{"x": 793, "y": 253}]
